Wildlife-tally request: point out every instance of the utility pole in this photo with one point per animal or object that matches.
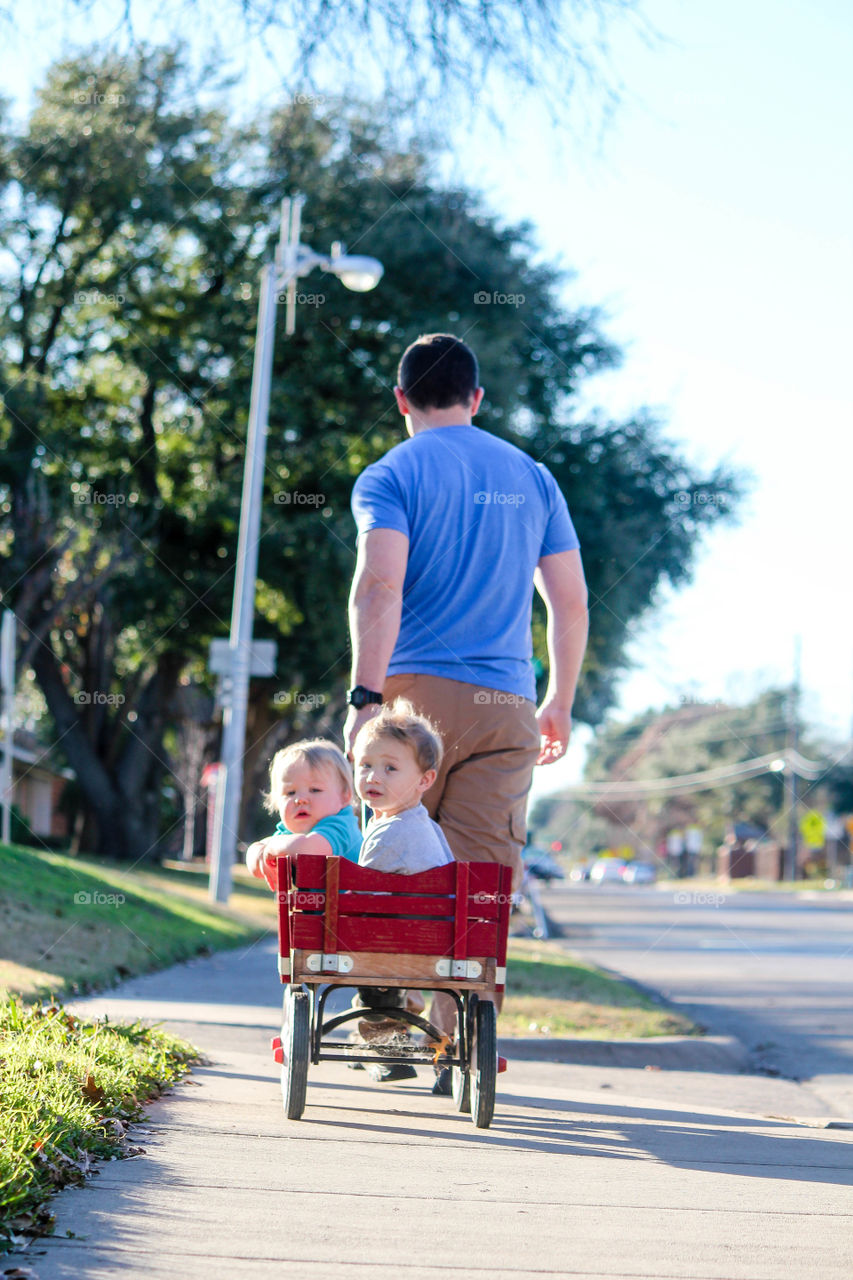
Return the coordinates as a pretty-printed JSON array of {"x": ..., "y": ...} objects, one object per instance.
[
  {"x": 794, "y": 781},
  {"x": 292, "y": 260},
  {"x": 7, "y": 720}
]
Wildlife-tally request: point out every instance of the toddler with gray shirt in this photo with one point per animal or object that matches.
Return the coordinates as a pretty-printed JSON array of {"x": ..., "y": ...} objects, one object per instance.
[
  {"x": 407, "y": 842},
  {"x": 396, "y": 756}
]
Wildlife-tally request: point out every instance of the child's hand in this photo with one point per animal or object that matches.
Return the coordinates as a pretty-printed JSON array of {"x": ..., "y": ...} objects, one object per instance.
[
  {"x": 255, "y": 855},
  {"x": 278, "y": 844},
  {"x": 258, "y": 855}
]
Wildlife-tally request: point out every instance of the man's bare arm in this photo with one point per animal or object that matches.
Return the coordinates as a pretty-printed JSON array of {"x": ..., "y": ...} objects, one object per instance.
[
  {"x": 560, "y": 581},
  {"x": 375, "y": 607}
]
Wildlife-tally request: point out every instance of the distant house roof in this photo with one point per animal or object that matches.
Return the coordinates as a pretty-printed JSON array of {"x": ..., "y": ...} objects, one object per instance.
[
  {"x": 748, "y": 831},
  {"x": 29, "y": 750}
]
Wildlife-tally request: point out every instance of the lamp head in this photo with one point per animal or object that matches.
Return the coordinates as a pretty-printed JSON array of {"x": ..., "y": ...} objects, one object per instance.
[{"x": 354, "y": 270}]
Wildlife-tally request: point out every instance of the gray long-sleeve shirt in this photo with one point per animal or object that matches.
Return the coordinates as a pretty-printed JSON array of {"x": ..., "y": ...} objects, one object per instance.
[{"x": 408, "y": 842}]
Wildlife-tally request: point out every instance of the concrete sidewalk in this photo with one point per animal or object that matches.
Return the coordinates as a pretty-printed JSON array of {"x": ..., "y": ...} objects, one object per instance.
[{"x": 654, "y": 1159}]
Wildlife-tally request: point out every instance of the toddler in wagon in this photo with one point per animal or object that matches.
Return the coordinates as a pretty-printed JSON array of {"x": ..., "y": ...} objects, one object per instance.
[
  {"x": 311, "y": 790},
  {"x": 397, "y": 755}
]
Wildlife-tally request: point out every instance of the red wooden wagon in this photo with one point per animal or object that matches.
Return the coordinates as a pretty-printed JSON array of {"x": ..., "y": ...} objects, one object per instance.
[{"x": 341, "y": 925}]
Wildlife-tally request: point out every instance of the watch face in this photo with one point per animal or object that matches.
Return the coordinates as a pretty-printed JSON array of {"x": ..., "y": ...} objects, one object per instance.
[{"x": 360, "y": 697}]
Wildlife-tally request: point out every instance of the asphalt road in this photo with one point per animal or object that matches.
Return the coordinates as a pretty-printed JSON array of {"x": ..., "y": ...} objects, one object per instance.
[{"x": 773, "y": 969}]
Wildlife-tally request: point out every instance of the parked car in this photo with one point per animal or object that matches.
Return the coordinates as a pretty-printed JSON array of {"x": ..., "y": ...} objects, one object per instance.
[
  {"x": 606, "y": 869},
  {"x": 580, "y": 871},
  {"x": 639, "y": 873},
  {"x": 539, "y": 863}
]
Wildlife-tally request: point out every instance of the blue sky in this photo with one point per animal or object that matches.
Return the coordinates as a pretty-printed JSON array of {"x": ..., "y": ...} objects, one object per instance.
[
  {"x": 710, "y": 219},
  {"x": 712, "y": 222}
]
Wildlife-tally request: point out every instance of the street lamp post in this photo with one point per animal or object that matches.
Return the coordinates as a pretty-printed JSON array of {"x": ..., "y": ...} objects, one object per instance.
[
  {"x": 793, "y": 745},
  {"x": 292, "y": 260}
]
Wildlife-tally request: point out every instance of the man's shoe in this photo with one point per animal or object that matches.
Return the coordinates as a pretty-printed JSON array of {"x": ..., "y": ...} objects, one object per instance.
[
  {"x": 442, "y": 1083},
  {"x": 385, "y": 1075},
  {"x": 356, "y": 1042},
  {"x": 377, "y": 1027}
]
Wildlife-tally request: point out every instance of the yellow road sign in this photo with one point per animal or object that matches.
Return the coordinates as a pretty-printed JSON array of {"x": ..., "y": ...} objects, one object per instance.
[{"x": 813, "y": 828}]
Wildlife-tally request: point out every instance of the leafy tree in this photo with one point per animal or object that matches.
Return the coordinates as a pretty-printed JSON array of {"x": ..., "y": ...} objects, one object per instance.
[
  {"x": 135, "y": 219},
  {"x": 689, "y": 738},
  {"x": 421, "y": 53},
  {"x": 839, "y": 783},
  {"x": 107, "y": 354}
]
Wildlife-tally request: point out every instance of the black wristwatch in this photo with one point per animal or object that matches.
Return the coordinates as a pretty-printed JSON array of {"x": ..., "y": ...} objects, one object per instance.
[{"x": 360, "y": 696}]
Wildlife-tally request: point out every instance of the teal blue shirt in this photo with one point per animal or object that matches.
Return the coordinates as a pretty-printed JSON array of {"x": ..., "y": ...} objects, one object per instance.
[{"x": 340, "y": 829}]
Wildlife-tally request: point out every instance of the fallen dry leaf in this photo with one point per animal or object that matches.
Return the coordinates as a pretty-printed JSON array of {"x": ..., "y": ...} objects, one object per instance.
[
  {"x": 93, "y": 1091},
  {"x": 439, "y": 1047}
]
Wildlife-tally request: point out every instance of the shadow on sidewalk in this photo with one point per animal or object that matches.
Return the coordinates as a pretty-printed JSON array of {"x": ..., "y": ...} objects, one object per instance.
[{"x": 681, "y": 1139}]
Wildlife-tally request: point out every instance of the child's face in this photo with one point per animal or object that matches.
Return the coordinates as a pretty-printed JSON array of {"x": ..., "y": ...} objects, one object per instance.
[
  {"x": 309, "y": 794},
  {"x": 388, "y": 777}
]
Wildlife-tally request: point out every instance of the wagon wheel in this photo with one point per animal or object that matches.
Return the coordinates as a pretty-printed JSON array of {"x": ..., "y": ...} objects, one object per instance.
[
  {"x": 460, "y": 1087},
  {"x": 460, "y": 1077},
  {"x": 484, "y": 1064},
  {"x": 294, "y": 1042}
]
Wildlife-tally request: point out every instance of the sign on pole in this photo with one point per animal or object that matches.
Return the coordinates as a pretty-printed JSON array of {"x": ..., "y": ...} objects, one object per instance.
[
  {"x": 262, "y": 658},
  {"x": 7, "y": 718},
  {"x": 813, "y": 829}
]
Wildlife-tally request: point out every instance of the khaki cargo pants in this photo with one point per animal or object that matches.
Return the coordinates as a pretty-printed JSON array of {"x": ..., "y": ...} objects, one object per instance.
[{"x": 491, "y": 741}]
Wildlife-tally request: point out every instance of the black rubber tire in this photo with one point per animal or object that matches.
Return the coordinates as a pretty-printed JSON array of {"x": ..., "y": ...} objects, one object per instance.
[
  {"x": 460, "y": 1077},
  {"x": 460, "y": 1087},
  {"x": 295, "y": 1038},
  {"x": 484, "y": 1064}
]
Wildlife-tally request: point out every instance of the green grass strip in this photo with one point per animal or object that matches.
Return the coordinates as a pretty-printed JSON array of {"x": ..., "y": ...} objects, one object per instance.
[
  {"x": 552, "y": 993},
  {"x": 68, "y": 1090},
  {"x": 72, "y": 924}
]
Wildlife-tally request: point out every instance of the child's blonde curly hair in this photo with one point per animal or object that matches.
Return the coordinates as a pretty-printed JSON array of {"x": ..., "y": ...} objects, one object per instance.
[
  {"x": 317, "y": 753},
  {"x": 399, "y": 720}
]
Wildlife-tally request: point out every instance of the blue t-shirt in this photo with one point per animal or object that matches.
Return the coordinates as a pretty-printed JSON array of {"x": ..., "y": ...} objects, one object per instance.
[
  {"x": 479, "y": 514},
  {"x": 340, "y": 829}
]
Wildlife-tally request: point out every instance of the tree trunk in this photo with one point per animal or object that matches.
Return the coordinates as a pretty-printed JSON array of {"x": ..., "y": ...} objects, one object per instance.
[{"x": 122, "y": 803}]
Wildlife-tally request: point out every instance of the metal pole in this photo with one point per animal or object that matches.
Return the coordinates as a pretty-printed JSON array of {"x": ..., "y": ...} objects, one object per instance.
[
  {"x": 793, "y": 743},
  {"x": 287, "y": 253},
  {"x": 230, "y": 780},
  {"x": 288, "y": 265},
  {"x": 7, "y": 718}
]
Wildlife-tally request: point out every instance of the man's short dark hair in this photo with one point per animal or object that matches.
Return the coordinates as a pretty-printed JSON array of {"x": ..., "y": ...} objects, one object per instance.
[{"x": 438, "y": 371}]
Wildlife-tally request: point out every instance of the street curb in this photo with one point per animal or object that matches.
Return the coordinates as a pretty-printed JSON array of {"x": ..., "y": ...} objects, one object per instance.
[
  {"x": 723, "y": 1055},
  {"x": 730, "y": 888}
]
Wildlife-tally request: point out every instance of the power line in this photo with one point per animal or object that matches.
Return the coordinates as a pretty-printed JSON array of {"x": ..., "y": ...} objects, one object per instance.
[
  {"x": 687, "y": 739},
  {"x": 634, "y": 789}
]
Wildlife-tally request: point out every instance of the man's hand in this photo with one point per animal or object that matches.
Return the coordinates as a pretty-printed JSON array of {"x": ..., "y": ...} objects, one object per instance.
[
  {"x": 560, "y": 582},
  {"x": 555, "y": 726},
  {"x": 357, "y": 717}
]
